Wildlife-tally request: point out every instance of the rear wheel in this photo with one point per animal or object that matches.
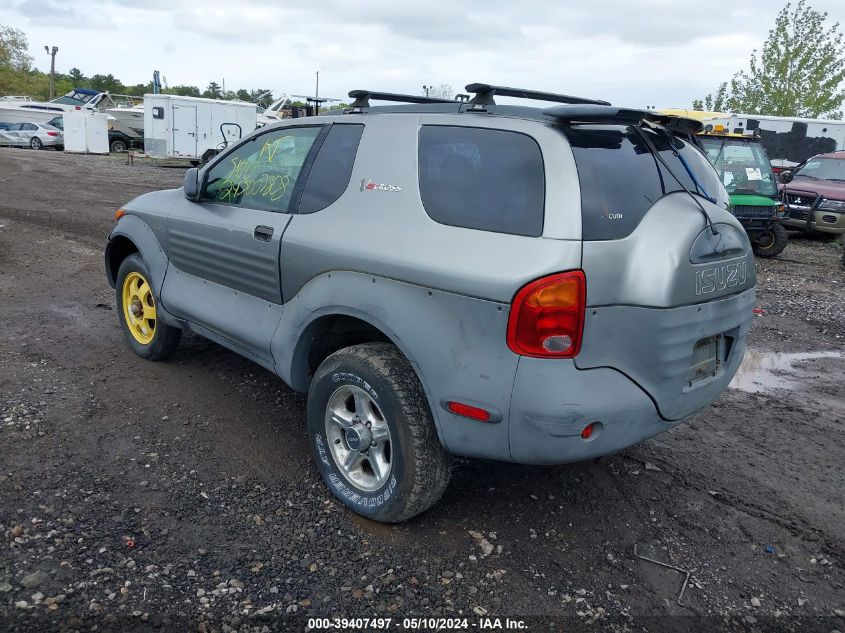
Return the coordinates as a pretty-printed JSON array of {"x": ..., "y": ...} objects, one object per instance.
[
  {"x": 118, "y": 146},
  {"x": 373, "y": 435},
  {"x": 771, "y": 242},
  {"x": 35, "y": 143},
  {"x": 136, "y": 308}
]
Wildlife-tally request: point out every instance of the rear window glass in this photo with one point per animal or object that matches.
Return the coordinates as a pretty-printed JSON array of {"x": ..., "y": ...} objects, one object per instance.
[
  {"x": 490, "y": 180},
  {"x": 621, "y": 180}
]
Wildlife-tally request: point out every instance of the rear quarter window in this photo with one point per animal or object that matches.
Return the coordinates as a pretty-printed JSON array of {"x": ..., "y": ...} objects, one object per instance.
[
  {"x": 332, "y": 168},
  {"x": 477, "y": 178}
]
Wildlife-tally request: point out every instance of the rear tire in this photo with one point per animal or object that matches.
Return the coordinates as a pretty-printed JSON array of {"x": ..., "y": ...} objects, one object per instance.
[
  {"x": 772, "y": 242},
  {"x": 118, "y": 147},
  {"x": 146, "y": 334},
  {"x": 373, "y": 435},
  {"x": 35, "y": 143}
]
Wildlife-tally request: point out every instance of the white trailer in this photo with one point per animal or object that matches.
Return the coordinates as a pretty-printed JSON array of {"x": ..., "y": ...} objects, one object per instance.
[
  {"x": 788, "y": 141},
  {"x": 187, "y": 127}
]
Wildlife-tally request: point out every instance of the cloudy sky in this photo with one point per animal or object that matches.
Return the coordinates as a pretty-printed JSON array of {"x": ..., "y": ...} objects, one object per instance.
[{"x": 636, "y": 53}]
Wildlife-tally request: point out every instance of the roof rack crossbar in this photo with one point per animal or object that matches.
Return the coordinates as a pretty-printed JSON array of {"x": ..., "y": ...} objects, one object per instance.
[
  {"x": 484, "y": 94},
  {"x": 363, "y": 97}
]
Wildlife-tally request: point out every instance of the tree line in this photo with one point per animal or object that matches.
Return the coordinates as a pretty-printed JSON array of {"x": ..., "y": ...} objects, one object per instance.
[{"x": 19, "y": 77}]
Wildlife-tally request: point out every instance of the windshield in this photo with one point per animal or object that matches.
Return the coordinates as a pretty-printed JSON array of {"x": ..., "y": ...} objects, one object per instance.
[
  {"x": 742, "y": 165},
  {"x": 823, "y": 169},
  {"x": 621, "y": 179}
]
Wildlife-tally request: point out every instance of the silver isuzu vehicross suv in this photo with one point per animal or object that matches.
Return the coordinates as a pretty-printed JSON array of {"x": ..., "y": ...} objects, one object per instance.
[{"x": 537, "y": 285}]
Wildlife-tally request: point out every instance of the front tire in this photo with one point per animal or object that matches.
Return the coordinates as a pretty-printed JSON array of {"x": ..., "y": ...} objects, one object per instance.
[
  {"x": 35, "y": 143},
  {"x": 373, "y": 435},
  {"x": 772, "y": 242},
  {"x": 146, "y": 334}
]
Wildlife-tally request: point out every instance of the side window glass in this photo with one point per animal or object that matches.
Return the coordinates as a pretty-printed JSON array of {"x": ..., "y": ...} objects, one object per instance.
[
  {"x": 491, "y": 180},
  {"x": 29, "y": 127},
  {"x": 261, "y": 173},
  {"x": 332, "y": 168}
]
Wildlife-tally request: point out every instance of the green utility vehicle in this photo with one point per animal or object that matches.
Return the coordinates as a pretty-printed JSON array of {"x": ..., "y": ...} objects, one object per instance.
[{"x": 745, "y": 170}]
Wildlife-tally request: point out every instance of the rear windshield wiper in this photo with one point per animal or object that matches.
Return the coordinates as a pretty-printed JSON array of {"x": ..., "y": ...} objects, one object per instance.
[{"x": 659, "y": 158}]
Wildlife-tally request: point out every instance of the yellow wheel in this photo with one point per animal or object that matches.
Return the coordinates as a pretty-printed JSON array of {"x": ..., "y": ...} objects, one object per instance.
[
  {"x": 147, "y": 335},
  {"x": 139, "y": 308}
]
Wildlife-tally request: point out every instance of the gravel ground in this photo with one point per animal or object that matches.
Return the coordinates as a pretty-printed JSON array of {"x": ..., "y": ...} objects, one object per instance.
[{"x": 181, "y": 496}]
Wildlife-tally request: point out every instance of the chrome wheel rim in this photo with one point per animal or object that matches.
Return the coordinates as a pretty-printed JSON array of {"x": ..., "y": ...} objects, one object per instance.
[{"x": 358, "y": 438}]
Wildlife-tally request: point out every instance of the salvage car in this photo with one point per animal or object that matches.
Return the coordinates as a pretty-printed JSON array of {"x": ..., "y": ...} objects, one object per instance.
[
  {"x": 742, "y": 163},
  {"x": 34, "y": 135},
  {"x": 814, "y": 194},
  {"x": 538, "y": 285}
]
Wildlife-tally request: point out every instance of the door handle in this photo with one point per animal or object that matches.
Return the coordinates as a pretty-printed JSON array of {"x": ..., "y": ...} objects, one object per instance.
[{"x": 263, "y": 233}]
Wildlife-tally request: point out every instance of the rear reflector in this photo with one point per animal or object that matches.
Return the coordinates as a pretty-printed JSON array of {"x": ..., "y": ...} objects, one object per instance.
[
  {"x": 588, "y": 431},
  {"x": 468, "y": 411},
  {"x": 547, "y": 316}
]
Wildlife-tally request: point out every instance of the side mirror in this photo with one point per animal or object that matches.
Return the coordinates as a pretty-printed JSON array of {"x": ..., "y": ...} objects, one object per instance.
[
  {"x": 191, "y": 184},
  {"x": 785, "y": 176}
]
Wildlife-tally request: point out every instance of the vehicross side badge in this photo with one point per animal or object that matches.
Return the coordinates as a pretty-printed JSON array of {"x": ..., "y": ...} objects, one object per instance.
[
  {"x": 369, "y": 185},
  {"x": 716, "y": 279}
]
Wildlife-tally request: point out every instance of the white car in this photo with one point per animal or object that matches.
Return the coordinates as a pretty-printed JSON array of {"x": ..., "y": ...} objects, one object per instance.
[{"x": 34, "y": 135}]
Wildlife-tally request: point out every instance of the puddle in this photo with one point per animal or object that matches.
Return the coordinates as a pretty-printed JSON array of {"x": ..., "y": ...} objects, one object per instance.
[{"x": 764, "y": 371}]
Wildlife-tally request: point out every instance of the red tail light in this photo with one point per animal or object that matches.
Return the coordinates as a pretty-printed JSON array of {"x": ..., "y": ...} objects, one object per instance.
[
  {"x": 52, "y": 133},
  {"x": 547, "y": 316}
]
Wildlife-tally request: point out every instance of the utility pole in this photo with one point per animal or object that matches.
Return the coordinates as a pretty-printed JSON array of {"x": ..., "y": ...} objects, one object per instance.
[
  {"x": 317, "y": 95},
  {"x": 52, "y": 55}
]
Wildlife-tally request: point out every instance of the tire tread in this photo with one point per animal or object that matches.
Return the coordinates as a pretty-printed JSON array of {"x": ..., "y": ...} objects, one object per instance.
[{"x": 431, "y": 464}]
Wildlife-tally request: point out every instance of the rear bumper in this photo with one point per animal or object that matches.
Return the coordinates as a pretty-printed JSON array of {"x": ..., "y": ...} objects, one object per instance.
[
  {"x": 632, "y": 377},
  {"x": 553, "y": 401}
]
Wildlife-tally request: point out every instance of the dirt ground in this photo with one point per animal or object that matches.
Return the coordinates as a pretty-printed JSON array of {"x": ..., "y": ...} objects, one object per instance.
[{"x": 181, "y": 495}]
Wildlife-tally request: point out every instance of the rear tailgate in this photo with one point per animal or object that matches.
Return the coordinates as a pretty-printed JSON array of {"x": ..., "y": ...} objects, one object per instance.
[{"x": 669, "y": 303}]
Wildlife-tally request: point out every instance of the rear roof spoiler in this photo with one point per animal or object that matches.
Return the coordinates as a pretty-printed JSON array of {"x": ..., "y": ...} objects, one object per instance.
[
  {"x": 613, "y": 114},
  {"x": 363, "y": 97},
  {"x": 484, "y": 94}
]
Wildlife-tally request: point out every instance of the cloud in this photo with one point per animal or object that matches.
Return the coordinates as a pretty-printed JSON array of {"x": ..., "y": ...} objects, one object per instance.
[
  {"x": 650, "y": 52},
  {"x": 50, "y": 12}
]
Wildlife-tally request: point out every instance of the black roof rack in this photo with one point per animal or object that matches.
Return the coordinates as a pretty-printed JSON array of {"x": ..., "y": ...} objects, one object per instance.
[
  {"x": 484, "y": 94},
  {"x": 363, "y": 97},
  {"x": 612, "y": 114}
]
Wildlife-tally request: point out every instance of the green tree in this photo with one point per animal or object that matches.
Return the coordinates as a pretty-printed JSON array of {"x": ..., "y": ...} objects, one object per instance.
[
  {"x": 13, "y": 49},
  {"x": 138, "y": 90},
  {"x": 183, "y": 91},
  {"x": 261, "y": 95},
  {"x": 214, "y": 91},
  {"x": 106, "y": 83},
  {"x": 78, "y": 79},
  {"x": 799, "y": 72},
  {"x": 243, "y": 95}
]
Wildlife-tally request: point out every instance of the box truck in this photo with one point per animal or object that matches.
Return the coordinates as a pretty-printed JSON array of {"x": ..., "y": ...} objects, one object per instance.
[
  {"x": 191, "y": 127},
  {"x": 790, "y": 141}
]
